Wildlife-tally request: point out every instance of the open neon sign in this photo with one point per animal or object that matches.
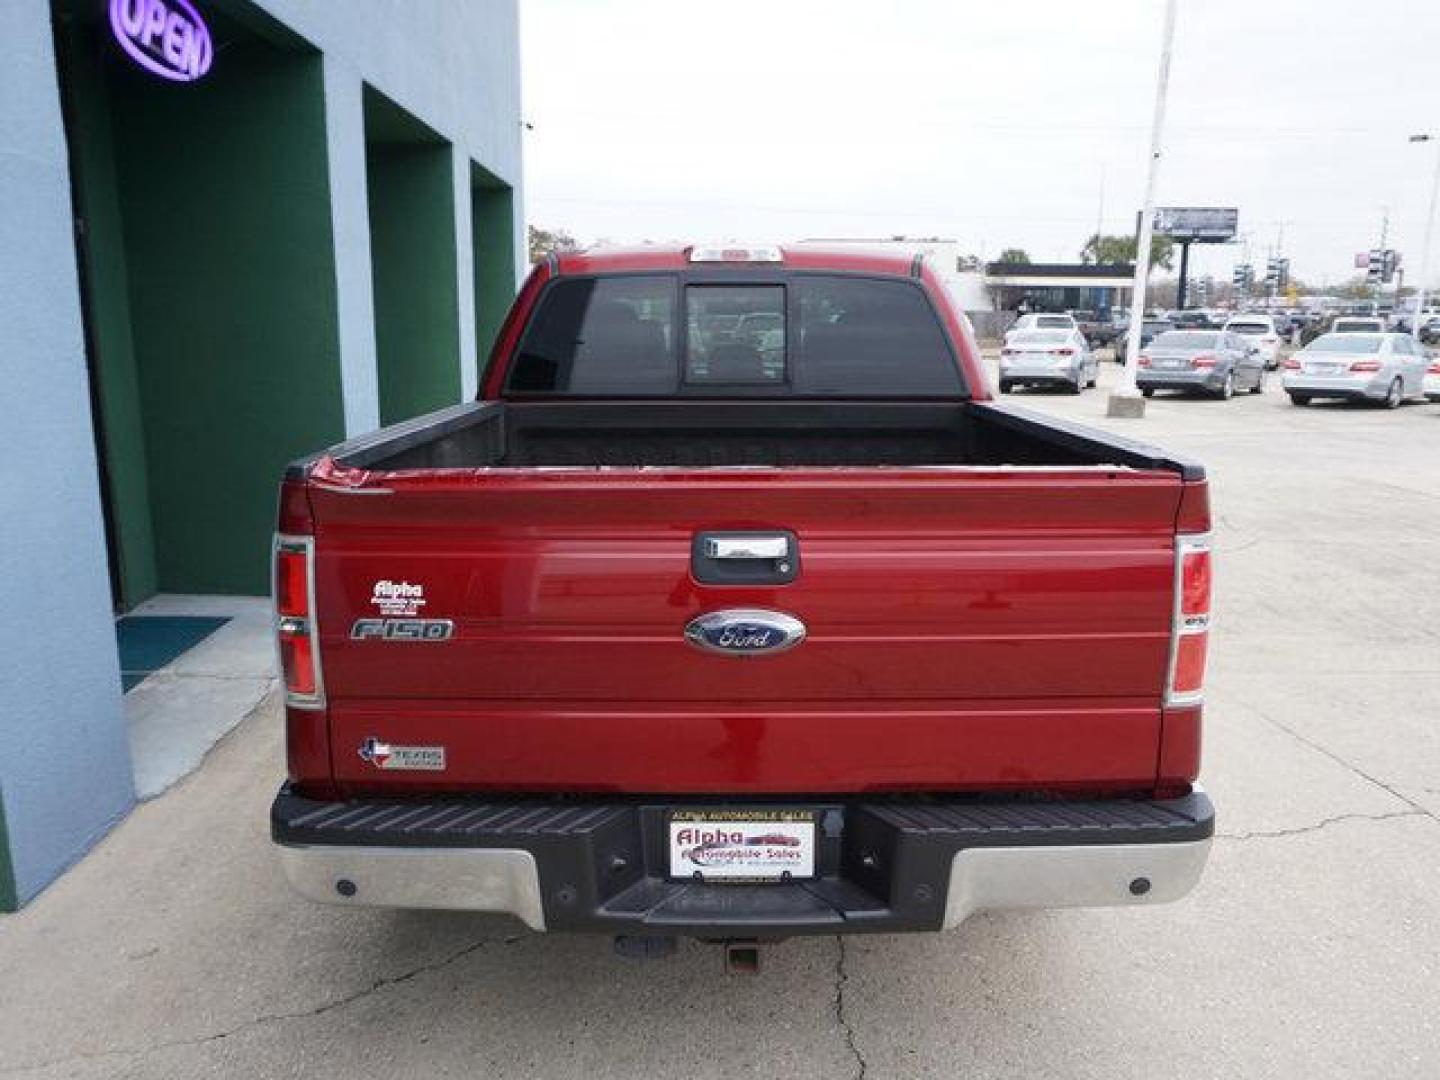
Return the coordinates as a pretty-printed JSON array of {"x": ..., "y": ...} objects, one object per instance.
[{"x": 167, "y": 38}]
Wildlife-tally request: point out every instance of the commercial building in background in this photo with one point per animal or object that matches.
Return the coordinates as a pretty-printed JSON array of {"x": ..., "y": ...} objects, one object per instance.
[
  {"x": 233, "y": 231},
  {"x": 1059, "y": 286}
]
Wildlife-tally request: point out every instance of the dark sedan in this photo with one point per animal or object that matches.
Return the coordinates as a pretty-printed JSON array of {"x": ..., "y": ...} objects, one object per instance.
[{"x": 1148, "y": 329}]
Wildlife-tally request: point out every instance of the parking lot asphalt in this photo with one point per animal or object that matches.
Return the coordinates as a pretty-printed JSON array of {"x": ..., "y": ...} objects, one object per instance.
[{"x": 1311, "y": 948}]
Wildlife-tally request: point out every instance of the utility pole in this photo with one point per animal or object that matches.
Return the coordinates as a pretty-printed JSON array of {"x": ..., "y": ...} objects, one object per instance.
[
  {"x": 1126, "y": 400},
  {"x": 1100, "y": 214},
  {"x": 1429, "y": 235},
  {"x": 1182, "y": 287}
]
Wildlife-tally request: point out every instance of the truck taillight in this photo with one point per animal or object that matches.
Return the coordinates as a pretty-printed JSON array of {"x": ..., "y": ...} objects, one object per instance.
[
  {"x": 1142, "y": 360},
  {"x": 295, "y": 628},
  {"x": 1190, "y": 629}
]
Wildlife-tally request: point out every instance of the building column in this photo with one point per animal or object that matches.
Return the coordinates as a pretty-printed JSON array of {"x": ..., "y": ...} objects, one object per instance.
[
  {"x": 350, "y": 216},
  {"x": 65, "y": 774},
  {"x": 465, "y": 277}
]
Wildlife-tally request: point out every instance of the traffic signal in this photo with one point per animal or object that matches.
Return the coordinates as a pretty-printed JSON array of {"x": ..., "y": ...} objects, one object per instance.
[{"x": 1375, "y": 272}]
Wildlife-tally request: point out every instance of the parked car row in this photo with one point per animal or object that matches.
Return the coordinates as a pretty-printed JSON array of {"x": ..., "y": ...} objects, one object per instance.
[{"x": 1353, "y": 362}]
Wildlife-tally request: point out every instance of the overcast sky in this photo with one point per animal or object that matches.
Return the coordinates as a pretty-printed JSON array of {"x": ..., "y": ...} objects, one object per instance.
[{"x": 993, "y": 123}]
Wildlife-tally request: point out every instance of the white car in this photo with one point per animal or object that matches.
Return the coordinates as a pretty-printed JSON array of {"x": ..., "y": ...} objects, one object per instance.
[
  {"x": 1258, "y": 330},
  {"x": 1047, "y": 358},
  {"x": 1045, "y": 320},
  {"x": 1431, "y": 382},
  {"x": 1358, "y": 325},
  {"x": 1382, "y": 368}
]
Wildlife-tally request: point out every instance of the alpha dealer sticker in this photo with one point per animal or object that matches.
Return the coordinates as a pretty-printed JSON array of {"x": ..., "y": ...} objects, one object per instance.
[{"x": 398, "y": 597}]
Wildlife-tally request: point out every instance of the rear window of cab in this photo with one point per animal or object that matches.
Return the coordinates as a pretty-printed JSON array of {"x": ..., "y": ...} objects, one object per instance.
[{"x": 665, "y": 335}]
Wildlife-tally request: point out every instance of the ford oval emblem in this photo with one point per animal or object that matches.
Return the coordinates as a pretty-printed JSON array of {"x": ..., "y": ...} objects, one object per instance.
[{"x": 745, "y": 632}]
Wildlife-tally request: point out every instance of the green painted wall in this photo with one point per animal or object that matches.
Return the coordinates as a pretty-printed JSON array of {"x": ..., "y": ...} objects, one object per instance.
[
  {"x": 9, "y": 900},
  {"x": 103, "y": 243},
  {"x": 231, "y": 279},
  {"x": 412, "y": 255},
  {"x": 492, "y": 217}
]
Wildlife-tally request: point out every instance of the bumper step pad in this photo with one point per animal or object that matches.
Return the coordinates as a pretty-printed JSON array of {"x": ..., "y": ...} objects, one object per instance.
[{"x": 882, "y": 865}]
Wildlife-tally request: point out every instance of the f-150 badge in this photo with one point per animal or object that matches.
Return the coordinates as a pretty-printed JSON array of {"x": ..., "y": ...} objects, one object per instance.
[
  {"x": 402, "y": 630},
  {"x": 745, "y": 632},
  {"x": 419, "y": 758}
]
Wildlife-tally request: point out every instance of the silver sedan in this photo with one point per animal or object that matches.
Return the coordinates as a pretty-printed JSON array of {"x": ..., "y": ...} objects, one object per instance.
[
  {"x": 1047, "y": 358},
  {"x": 1381, "y": 368},
  {"x": 1215, "y": 362}
]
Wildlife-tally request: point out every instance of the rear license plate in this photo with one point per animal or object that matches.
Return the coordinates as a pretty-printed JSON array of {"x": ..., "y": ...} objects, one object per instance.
[
  {"x": 1169, "y": 365},
  {"x": 742, "y": 845}
]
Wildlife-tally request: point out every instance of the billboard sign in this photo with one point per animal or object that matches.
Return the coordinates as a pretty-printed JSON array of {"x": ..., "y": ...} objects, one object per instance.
[{"x": 1206, "y": 224}]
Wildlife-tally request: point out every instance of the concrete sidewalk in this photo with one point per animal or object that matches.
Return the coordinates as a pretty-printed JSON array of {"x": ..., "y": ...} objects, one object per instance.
[{"x": 178, "y": 713}]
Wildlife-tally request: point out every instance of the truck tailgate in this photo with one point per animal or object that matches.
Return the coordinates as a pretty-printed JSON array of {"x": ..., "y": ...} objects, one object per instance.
[{"x": 966, "y": 628}]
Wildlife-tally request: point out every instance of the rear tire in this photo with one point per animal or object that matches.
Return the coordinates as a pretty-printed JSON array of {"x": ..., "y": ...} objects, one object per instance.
[
  {"x": 1005, "y": 385},
  {"x": 1147, "y": 392},
  {"x": 1259, "y": 387},
  {"x": 1300, "y": 399},
  {"x": 1395, "y": 394},
  {"x": 1076, "y": 386},
  {"x": 1227, "y": 388}
]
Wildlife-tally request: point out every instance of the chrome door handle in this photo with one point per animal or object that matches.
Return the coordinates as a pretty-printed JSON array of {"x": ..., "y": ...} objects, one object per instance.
[{"x": 747, "y": 547}]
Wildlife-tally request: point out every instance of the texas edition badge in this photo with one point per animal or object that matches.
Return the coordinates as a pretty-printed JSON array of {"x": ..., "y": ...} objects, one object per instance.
[{"x": 416, "y": 758}]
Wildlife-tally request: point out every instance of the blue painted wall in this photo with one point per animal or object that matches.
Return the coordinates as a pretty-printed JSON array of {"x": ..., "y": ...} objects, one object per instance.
[
  {"x": 65, "y": 773},
  {"x": 65, "y": 770}
]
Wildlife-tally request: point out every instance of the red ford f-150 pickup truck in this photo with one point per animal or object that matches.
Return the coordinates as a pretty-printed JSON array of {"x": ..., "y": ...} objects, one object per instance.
[{"x": 736, "y": 608}]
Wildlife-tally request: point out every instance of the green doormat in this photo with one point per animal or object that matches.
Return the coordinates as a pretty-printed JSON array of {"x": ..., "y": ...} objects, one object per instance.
[{"x": 149, "y": 642}]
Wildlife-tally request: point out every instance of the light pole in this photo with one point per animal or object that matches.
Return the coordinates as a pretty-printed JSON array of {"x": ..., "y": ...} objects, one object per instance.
[
  {"x": 1126, "y": 399},
  {"x": 1429, "y": 231}
]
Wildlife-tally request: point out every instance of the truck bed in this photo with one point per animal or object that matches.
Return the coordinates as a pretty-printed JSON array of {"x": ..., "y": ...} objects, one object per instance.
[
  {"x": 988, "y": 596},
  {"x": 720, "y": 434}
]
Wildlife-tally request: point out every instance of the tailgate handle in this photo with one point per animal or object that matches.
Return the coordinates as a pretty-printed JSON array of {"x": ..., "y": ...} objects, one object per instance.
[
  {"x": 745, "y": 558},
  {"x": 747, "y": 547}
]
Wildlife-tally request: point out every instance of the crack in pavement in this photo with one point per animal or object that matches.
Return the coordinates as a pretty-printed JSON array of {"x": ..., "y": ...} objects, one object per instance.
[
  {"x": 1319, "y": 749},
  {"x": 266, "y": 1018},
  {"x": 1300, "y": 830},
  {"x": 841, "y": 978}
]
